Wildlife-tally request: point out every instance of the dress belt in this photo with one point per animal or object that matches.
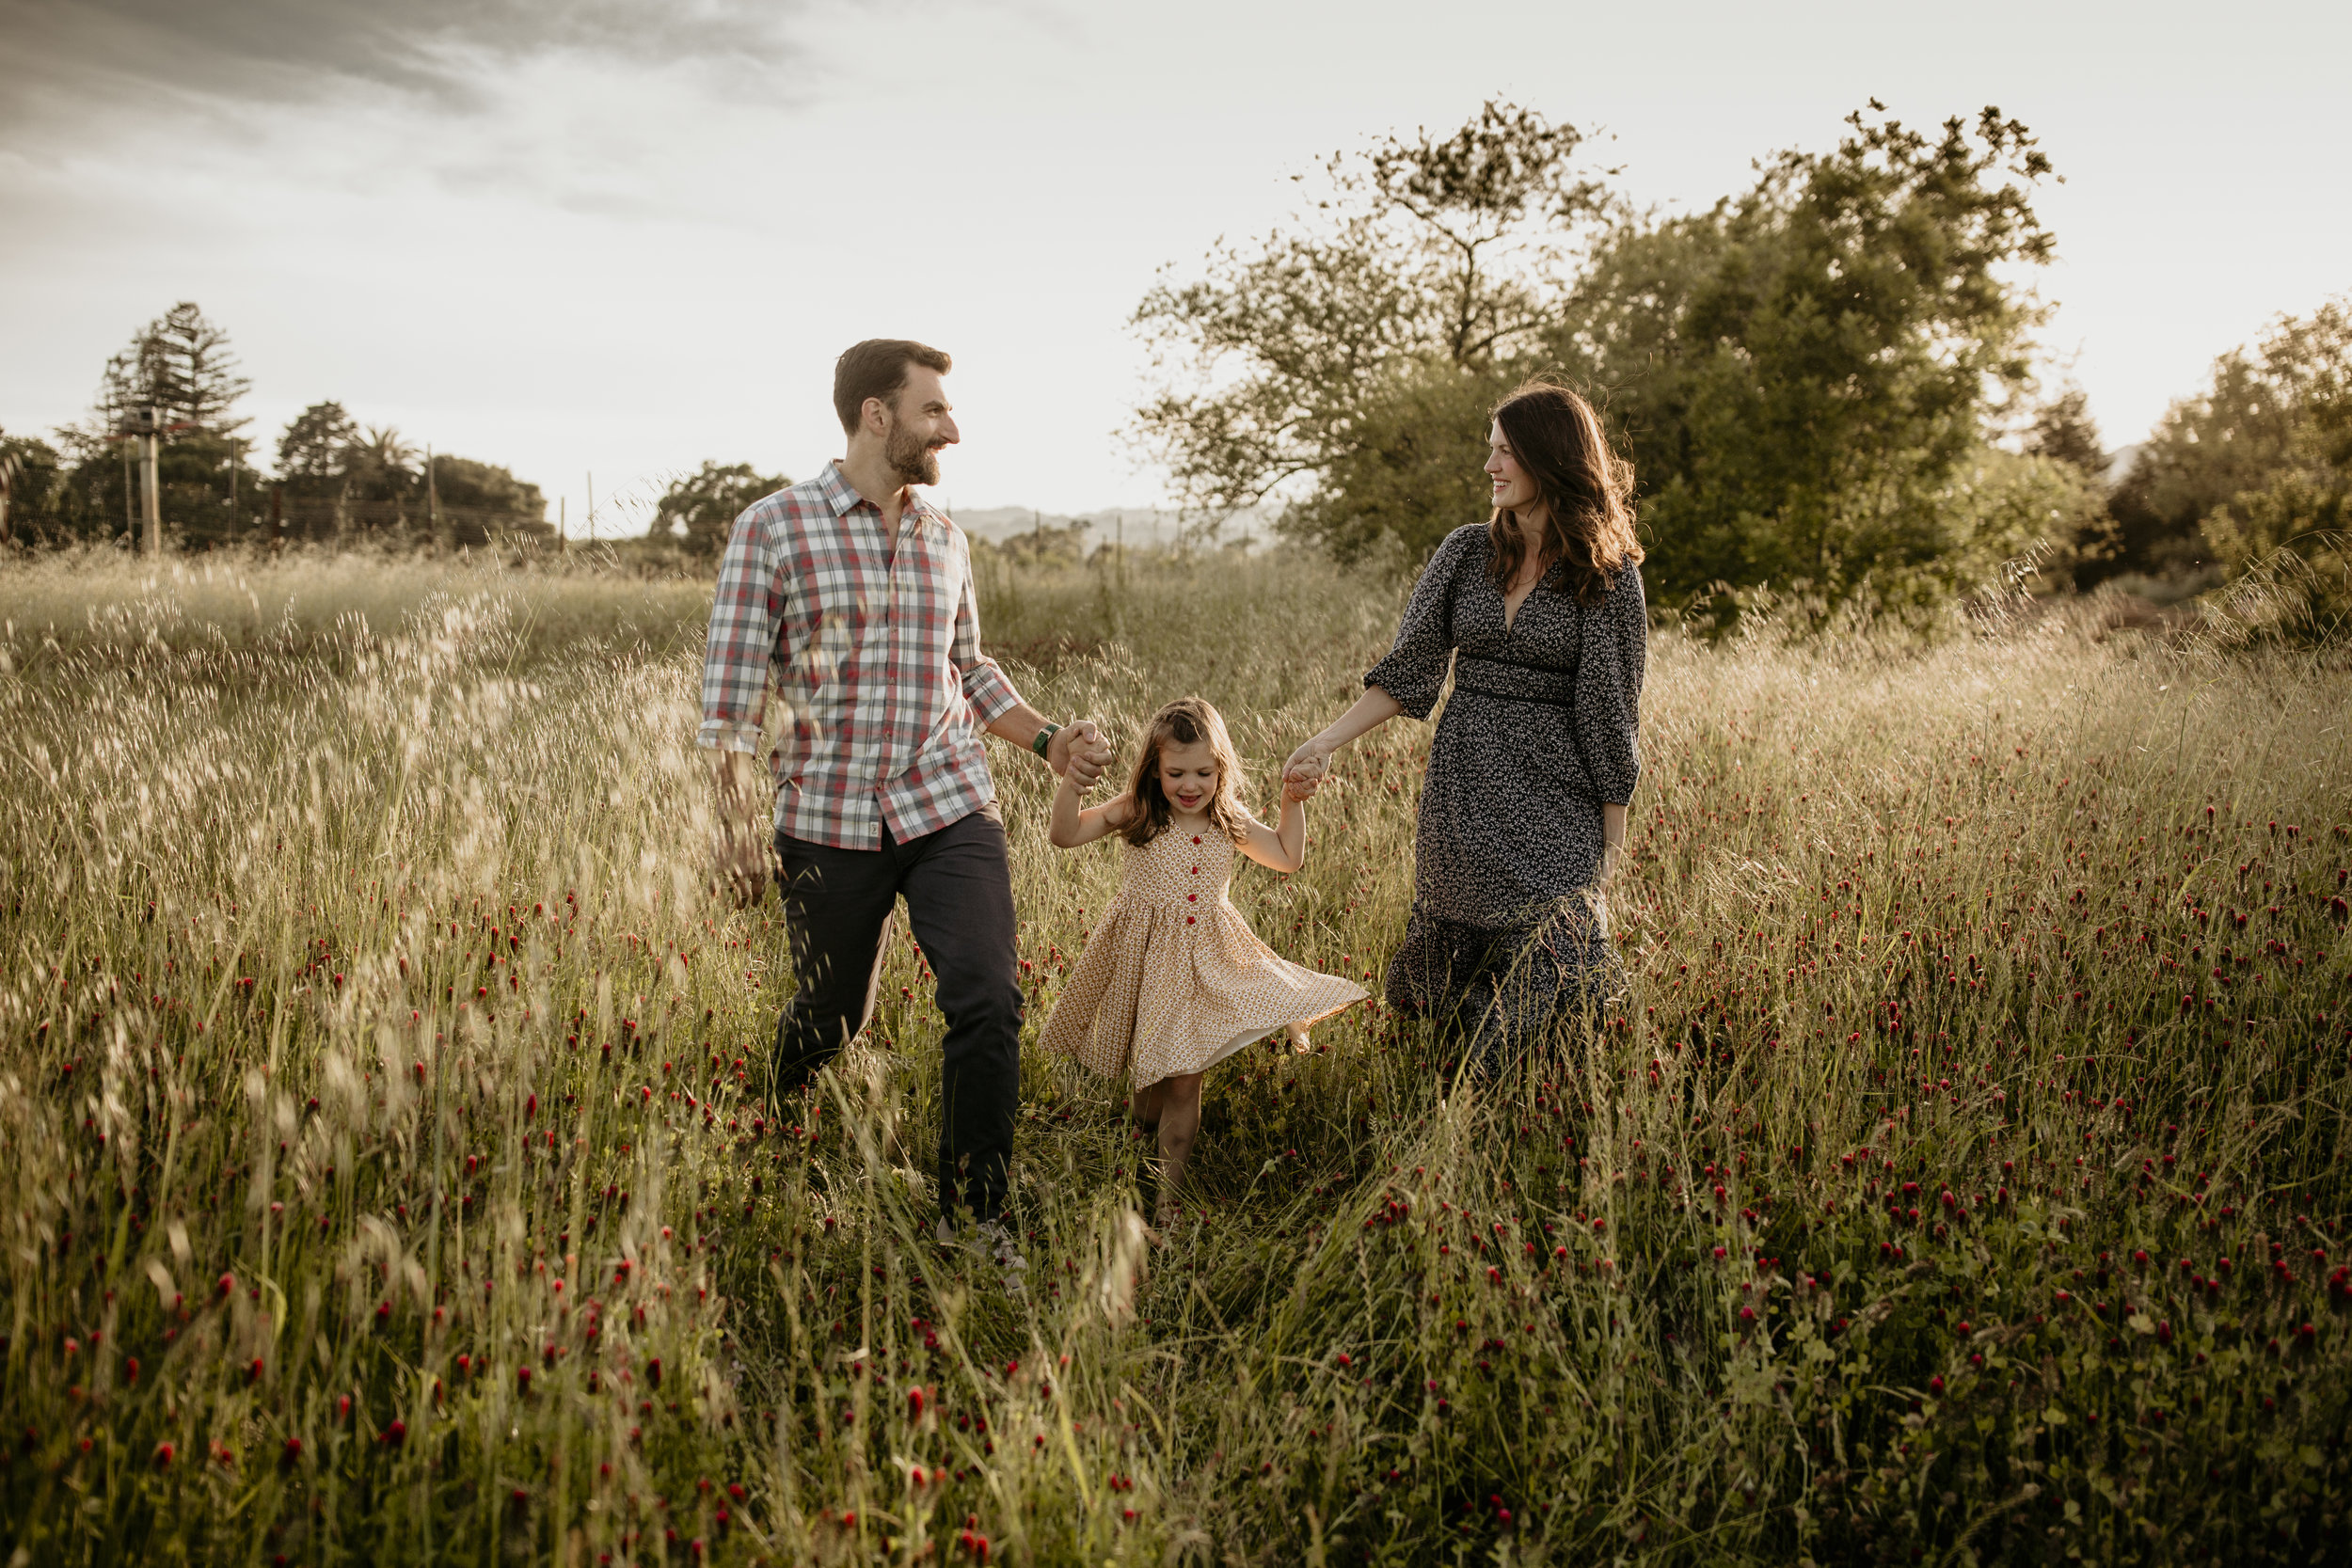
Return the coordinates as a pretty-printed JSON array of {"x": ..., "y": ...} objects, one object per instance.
[{"x": 1463, "y": 683}]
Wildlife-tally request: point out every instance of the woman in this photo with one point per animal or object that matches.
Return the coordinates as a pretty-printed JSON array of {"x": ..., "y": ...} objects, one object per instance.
[{"x": 1540, "y": 614}]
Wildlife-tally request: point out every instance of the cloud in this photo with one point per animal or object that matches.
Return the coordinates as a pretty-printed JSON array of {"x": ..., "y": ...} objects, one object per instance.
[{"x": 69, "y": 58}]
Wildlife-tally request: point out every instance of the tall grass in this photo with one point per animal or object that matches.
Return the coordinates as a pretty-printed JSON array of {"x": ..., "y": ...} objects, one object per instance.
[{"x": 388, "y": 1173}]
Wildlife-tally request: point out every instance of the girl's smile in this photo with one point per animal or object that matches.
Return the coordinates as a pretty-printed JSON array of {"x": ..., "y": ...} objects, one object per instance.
[{"x": 1189, "y": 776}]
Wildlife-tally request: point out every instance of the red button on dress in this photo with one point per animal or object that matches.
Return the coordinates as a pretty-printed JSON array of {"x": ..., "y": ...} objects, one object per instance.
[{"x": 1196, "y": 838}]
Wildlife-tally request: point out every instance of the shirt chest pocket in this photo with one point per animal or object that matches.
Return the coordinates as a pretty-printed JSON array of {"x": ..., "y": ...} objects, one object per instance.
[{"x": 832, "y": 640}]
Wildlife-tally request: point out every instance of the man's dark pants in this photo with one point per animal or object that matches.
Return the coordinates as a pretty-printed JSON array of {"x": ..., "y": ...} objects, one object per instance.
[{"x": 958, "y": 884}]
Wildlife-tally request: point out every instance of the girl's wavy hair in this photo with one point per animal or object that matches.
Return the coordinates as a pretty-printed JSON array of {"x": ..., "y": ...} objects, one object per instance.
[
  {"x": 1183, "y": 722},
  {"x": 1588, "y": 490}
]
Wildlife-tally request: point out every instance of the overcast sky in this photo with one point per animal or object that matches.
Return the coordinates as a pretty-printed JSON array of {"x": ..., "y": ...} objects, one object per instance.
[{"x": 606, "y": 235}]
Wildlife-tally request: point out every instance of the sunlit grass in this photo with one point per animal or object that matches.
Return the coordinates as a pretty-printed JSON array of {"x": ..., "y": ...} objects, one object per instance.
[{"x": 388, "y": 1173}]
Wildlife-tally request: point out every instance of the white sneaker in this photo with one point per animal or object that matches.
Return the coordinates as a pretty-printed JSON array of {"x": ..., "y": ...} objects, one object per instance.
[
  {"x": 992, "y": 1242},
  {"x": 1003, "y": 1250}
]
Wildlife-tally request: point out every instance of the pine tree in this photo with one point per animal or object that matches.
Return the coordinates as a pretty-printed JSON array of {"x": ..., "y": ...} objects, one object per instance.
[{"x": 182, "y": 363}]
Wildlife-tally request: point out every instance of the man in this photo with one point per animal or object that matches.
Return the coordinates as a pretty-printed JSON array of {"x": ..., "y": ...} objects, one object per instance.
[{"x": 855, "y": 594}]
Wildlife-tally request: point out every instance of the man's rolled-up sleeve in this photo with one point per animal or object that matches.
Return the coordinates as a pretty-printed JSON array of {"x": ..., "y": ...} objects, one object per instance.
[
  {"x": 745, "y": 614},
  {"x": 985, "y": 686}
]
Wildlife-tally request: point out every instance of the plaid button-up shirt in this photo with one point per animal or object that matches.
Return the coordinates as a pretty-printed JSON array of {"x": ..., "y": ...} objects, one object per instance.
[{"x": 874, "y": 649}]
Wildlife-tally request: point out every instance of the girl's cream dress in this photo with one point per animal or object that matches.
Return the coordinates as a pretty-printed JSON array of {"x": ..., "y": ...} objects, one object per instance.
[{"x": 1173, "y": 979}]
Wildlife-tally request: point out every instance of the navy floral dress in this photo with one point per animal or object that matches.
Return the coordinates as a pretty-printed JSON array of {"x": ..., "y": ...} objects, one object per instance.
[{"x": 1507, "y": 937}]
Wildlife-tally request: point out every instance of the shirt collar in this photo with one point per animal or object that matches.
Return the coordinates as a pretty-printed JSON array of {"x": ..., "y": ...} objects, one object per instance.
[{"x": 842, "y": 497}]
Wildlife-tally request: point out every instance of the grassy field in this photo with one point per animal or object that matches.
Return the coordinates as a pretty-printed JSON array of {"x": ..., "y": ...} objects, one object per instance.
[{"x": 388, "y": 1175}]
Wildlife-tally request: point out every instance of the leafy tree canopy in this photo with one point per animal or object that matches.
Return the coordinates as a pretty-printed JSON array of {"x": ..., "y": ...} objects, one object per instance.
[
  {"x": 1416, "y": 256},
  {"x": 2292, "y": 526},
  {"x": 700, "y": 508},
  {"x": 182, "y": 363},
  {"x": 317, "y": 445},
  {"x": 28, "y": 482},
  {"x": 1805, "y": 376},
  {"x": 2275, "y": 418},
  {"x": 1803, "y": 373}
]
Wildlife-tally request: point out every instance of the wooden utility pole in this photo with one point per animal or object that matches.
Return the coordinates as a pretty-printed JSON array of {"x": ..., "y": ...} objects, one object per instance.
[
  {"x": 147, "y": 426},
  {"x": 431, "y": 496},
  {"x": 562, "y": 504}
]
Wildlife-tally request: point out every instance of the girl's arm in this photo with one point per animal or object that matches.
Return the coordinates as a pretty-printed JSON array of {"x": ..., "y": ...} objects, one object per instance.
[
  {"x": 1074, "y": 825},
  {"x": 1282, "y": 849},
  {"x": 1612, "y": 839}
]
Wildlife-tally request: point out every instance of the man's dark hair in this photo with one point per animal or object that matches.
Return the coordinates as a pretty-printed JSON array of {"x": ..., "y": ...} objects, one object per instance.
[{"x": 877, "y": 368}]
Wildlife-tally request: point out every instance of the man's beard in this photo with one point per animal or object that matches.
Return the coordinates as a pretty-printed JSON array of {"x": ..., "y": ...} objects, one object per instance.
[{"x": 910, "y": 460}]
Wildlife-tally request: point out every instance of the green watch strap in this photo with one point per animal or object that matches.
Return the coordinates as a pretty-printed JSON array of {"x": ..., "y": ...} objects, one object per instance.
[{"x": 1044, "y": 739}]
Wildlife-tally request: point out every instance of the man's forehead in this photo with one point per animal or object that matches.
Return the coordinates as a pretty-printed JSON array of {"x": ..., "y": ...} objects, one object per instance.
[{"x": 924, "y": 386}]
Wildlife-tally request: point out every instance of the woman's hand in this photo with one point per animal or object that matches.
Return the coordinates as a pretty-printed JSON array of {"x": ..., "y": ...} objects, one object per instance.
[
  {"x": 1305, "y": 772},
  {"x": 1613, "y": 825}
]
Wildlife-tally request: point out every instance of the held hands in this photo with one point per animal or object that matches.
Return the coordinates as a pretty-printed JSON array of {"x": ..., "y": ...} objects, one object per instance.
[
  {"x": 1079, "y": 752},
  {"x": 1307, "y": 770}
]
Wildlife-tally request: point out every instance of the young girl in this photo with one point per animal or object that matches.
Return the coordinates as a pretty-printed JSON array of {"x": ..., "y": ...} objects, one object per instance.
[{"x": 1173, "y": 980}]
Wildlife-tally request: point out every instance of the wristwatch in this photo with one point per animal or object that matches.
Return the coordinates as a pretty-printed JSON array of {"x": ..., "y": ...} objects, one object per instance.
[{"x": 1044, "y": 737}]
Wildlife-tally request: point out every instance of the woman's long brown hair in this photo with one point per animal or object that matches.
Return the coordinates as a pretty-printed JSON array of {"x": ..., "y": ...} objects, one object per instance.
[
  {"x": 1182, "y": 723},
  {"x": 1588, "y": 490}
]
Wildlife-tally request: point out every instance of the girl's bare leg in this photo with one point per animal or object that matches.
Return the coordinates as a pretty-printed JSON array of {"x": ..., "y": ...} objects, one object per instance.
[
  {"x": 1300, "y": 1043},
  {"x": 1143, "y": 1107},
  {"x": 1180, "y": 1124}
]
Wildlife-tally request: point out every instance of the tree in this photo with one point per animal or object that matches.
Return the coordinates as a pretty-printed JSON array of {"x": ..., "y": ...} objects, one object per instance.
[
  {"x": 182, "y": 363},
  {"x": 2265, "y": 418},
  {"x": 1803, "y": 374},
  {"x": 316, "y": 446},
  {"x": 1422, "y": 260},
  {"x": 341, "y": 482},
  {"x": 2295, "y": 527},
  {"x": 700, "y": 508},
  {"x": 1806, "y": 375},
  {"x": 482, "y": 504},
  {"x": 2063, "y": 431},
  {"x": 382, "y": 466},
  {"x": 28, "y": 487}
]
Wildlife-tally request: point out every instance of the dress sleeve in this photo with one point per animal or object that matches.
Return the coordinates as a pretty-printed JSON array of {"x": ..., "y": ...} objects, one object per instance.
[
  {"x": 1609, "y": 687},
  {"x": 1414, "y": 671}
]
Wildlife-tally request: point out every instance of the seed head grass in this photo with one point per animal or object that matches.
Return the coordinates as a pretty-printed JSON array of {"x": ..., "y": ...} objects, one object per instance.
[{"x": 392, "y": 1172}]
